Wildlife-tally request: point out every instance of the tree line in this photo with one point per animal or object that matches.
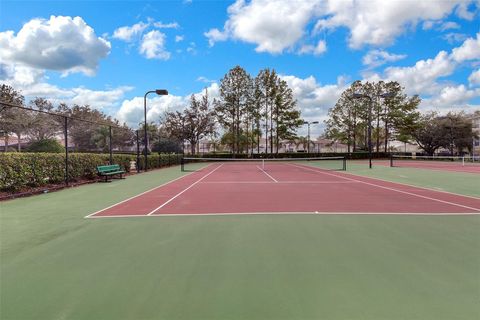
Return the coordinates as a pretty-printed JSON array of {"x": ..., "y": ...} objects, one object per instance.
[
  {"x": 41, "y": 129},
  {"x": 247, "y": 110},
  {"x": 393, "y": 115}
]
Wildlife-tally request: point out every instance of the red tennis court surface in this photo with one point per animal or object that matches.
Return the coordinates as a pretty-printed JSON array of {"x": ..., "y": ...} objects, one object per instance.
[
  {"x": 434, "y": 165},
  {"x": 285, "y": 188}
]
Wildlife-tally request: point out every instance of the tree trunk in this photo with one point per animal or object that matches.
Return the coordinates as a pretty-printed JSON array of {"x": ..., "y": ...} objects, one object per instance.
[
  {"x": 193, "y": 146},
  {"x": 6, "y": 142},
  {"x": 19, "y": 143}
]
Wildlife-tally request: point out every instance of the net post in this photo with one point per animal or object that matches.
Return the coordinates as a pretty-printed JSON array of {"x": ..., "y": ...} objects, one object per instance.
[
  {"x": 463, "y": 161},
  {"x": 65, "y": 133},
  {"x": 263, "y": 164},
  {"x": 391, "y": 161},
  {"x": 182, "y": 164},
  {"x": 344, "y": 163}
]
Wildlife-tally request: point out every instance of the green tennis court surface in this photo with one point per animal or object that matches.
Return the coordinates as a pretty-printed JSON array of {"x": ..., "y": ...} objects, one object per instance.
[{"x": 57, "y": 265}]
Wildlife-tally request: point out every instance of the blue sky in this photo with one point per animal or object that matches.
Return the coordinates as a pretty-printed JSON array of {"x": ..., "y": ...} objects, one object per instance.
[{"x": 109, "y": 53}]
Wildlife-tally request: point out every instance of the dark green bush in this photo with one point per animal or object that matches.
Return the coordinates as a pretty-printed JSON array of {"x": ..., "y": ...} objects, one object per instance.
[
  {"x": 20, "y": 170},
  {"x": 46, "y": 145}
]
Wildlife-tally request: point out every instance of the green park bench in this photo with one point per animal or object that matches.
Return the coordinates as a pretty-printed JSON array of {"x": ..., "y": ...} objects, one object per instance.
[{"x": 110, "y": 171}]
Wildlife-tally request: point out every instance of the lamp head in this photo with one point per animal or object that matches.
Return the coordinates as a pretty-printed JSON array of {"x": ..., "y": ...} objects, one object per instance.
[{"x": 161, "y": 92}]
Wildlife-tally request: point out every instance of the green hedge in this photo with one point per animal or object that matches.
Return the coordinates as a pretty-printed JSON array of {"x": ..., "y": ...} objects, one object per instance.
[{"x": 22, "y": 170}]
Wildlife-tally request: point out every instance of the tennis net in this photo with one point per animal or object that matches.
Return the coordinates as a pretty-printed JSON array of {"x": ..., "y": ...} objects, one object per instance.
[
  {"x": 413, "y": 160},
  {"x": 324, "y": 163}
]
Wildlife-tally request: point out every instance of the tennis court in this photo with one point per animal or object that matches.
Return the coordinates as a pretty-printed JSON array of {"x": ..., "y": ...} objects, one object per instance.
[
  {"x": 440, "y": 163},
  {"x": 316, "y": 186},
  {"x": 243, "y": 240}
]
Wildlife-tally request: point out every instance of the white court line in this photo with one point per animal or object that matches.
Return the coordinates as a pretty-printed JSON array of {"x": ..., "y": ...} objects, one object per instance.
[
  {"x": 267, "y": 174},
  {"x": 284, "y": 182},
  {"x": 138, "y": 195},
  {"x": 291, "y": 213},
  {"x": 169, "y": 200},
  {"x": 392, "y": 189}
]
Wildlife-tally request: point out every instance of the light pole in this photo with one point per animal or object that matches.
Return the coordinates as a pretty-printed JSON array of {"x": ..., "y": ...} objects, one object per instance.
[
  {"x": 308, "y": 123},
  {"x": 160, "y": 92},
  {"x": 369, "y": 127}
]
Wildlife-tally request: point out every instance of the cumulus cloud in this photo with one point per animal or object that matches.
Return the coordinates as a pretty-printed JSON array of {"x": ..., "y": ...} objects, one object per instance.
[
  {"x": 153, "y": 46},
  {"x": 379, "y": 22},
  {"x": 131, "y": 111},
  {"x": 313, "y": 99},
  {"x": 61, "y": 43},
  {"x": 452, "y": 98},
  {"x": 425, "y": 78},
  {"x": 474, "y": 78},
  {"x": 179, "y": 38},
  {"x": 469, "y": 50},
  {"x": 278, "y": 25},
  {"x": 272, "y": 26},
  {"x": 376, "y": 58},
  {"x": 421, "y": 78}
]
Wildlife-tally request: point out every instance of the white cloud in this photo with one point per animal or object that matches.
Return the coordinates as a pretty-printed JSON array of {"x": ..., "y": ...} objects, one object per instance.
[
  {"x": 98, "y": 99},
  {"x": 376, "y": 58},
  {"x": 131, "y": 111},
  {"x": 379, "y": 22},
  {"x": 127, "y": 33},
  {"x": 452, "y": 98},
  {"x": 313, "y": 99},
  {"x": 61, "y": 43},
  {"x": 320, "y": 48},
  {"x": 272, "y": 26},
  {"x": 215, "y": 35},
  {"x": 171, "y": 25},
  {"x": 469, "y": 50},
  {"x": 421, "y": 78},
  {"x": 278, "y": 25},
  {"x": 179, "y": 38},
  {"x": 474, "y": 78},
  {"x": 153, "y": 46}
]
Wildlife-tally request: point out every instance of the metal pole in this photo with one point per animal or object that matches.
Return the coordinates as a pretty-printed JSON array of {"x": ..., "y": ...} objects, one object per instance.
[
  {"x": 110, "y": 143},
  {"x": 138, "y": 151},
  {"x": 370, "y": 132},
  {"x": 145, "y": 130},
  {"x": 308, "y": 137},
  {"x": 65, "y": 132}
]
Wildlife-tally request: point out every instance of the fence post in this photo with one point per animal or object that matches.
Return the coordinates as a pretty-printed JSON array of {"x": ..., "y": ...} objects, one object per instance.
[
  {"x": 138, "y": 152},
  {"x": 65, "y": 131},
  {"x": 110, "y": 144}
]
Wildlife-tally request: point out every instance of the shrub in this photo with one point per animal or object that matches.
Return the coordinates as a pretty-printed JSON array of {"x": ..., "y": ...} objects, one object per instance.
[
  {"x": 46, "y": 145},
  {"x": 20, "y": 170}
]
